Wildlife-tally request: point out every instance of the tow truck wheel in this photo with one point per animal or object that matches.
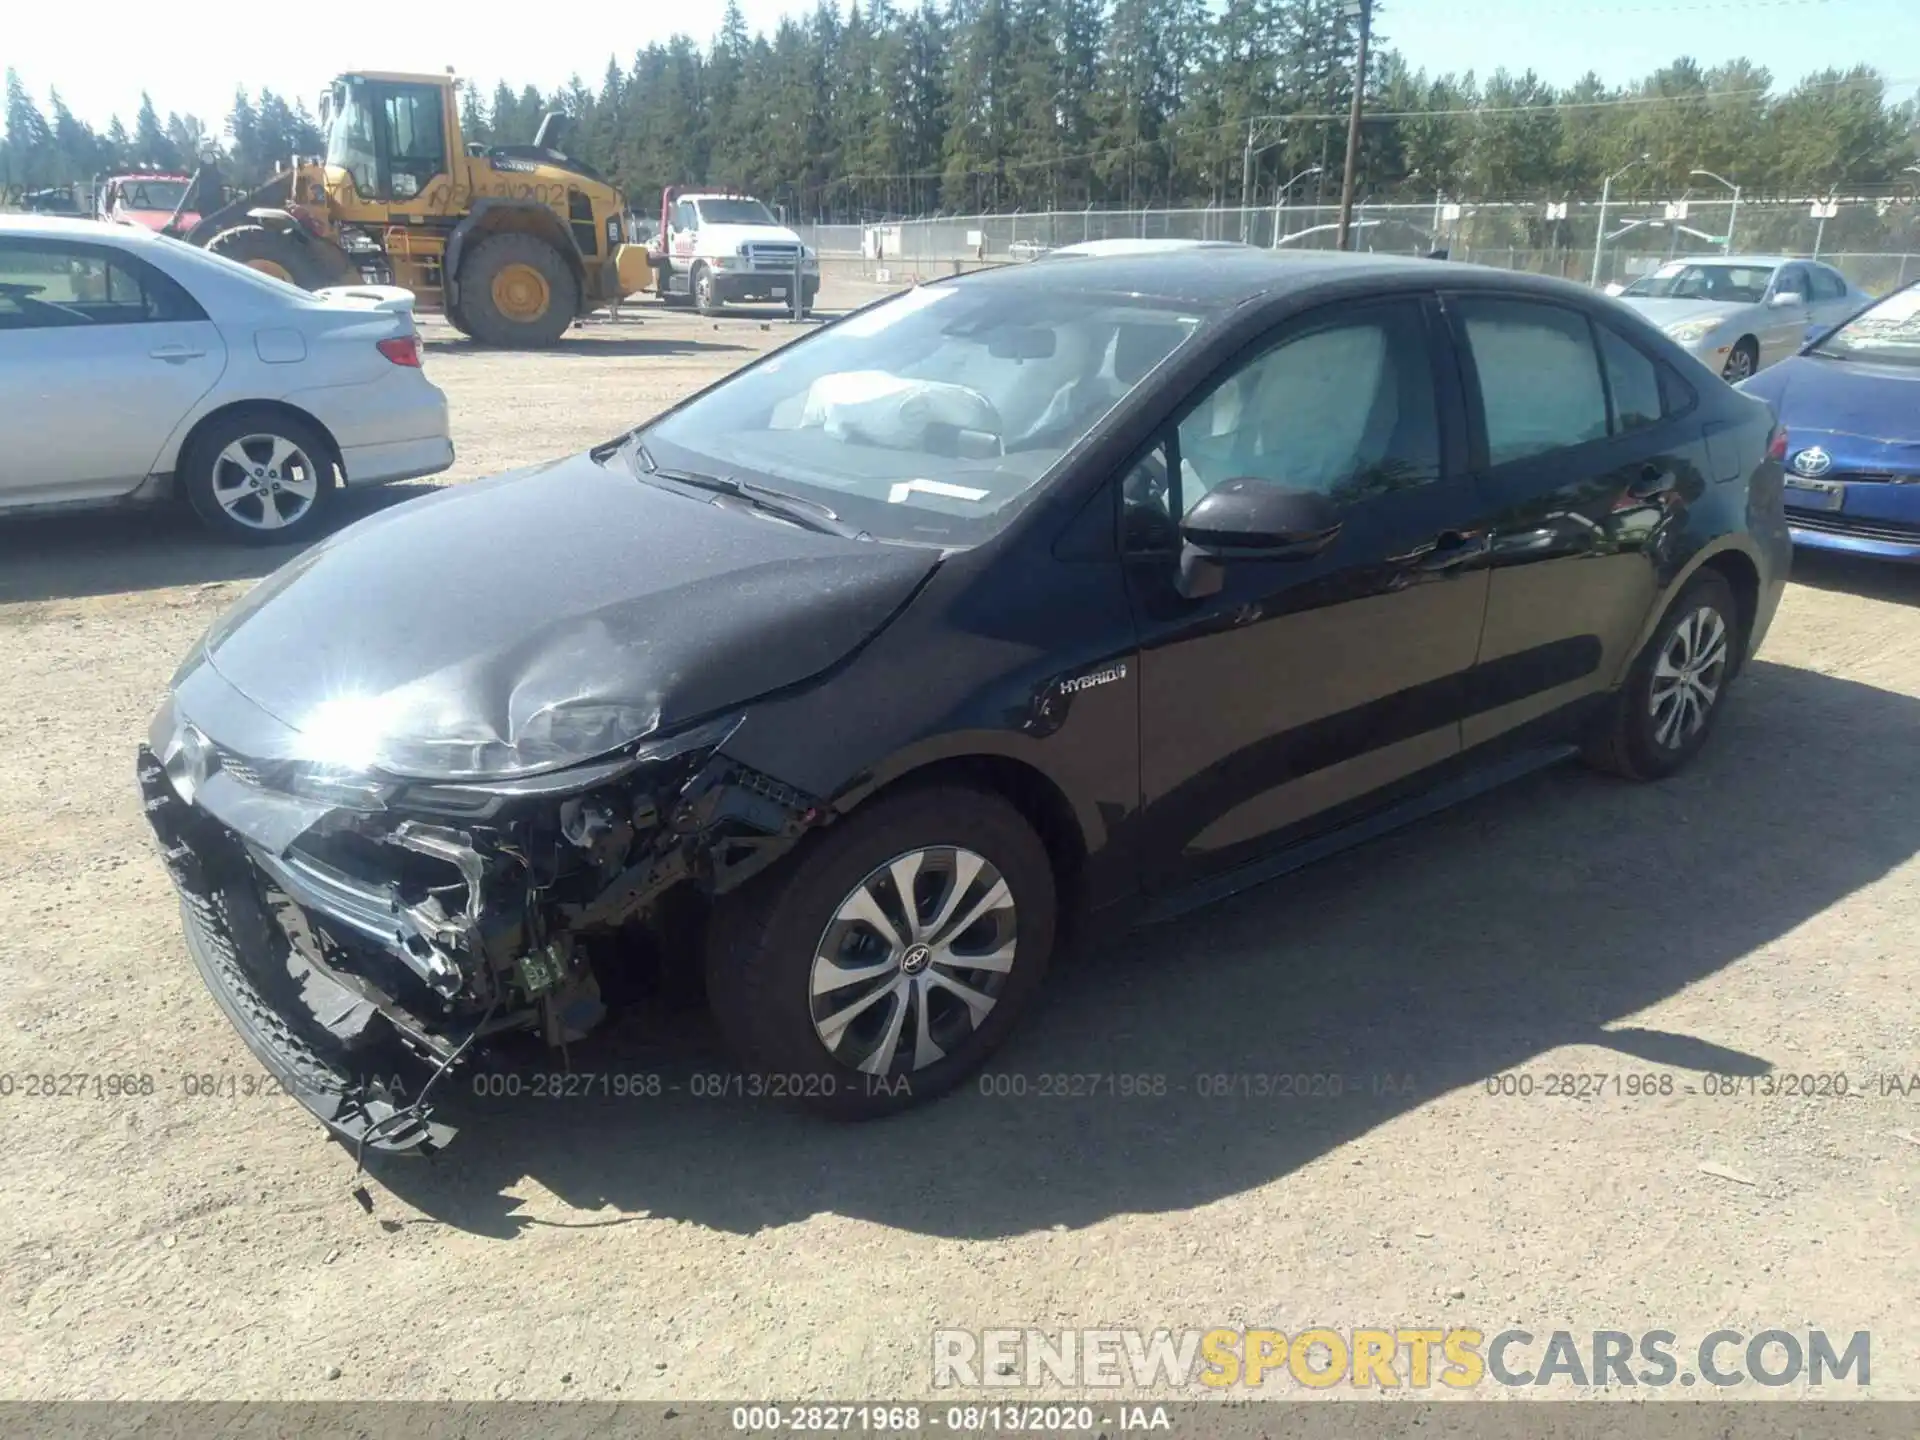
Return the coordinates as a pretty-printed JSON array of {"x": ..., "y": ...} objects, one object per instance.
[
  {"x": 517, "y": 291},
  {"x": 277, "y": 253},
  {"x": 705, "y": 299}
]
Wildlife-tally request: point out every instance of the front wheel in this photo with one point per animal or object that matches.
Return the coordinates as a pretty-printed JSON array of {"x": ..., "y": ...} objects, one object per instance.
[
  {"x": 706, "y": 295},
  {"x": 1742, "y": 363},
  {"x": 890, "y": 958},
  {"x": 1663, "y": 714}
]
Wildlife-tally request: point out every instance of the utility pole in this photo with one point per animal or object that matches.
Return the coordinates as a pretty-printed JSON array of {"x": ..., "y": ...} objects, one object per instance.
[{"x": 1362, "y": 10}]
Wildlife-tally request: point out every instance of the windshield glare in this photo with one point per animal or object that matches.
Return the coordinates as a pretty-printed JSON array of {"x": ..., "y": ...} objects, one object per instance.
[
  {"x": 1732, "y": 284},
  {"x": 929, "y": 416},
  {"x": 1886, "y": 332},
  {"x": 734, "y": 212}
]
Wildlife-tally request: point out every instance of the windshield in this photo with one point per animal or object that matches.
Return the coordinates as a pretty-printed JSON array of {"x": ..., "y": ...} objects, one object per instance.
[
  {"x": 734, "y": 212},
  {"x": 1886, "y": 332},
  {"x": 350, "y": 143},
  {"x": 145, "y": 194},
  {"x": 928, "y": 417},
  {"x": 1730, "y": 284}
]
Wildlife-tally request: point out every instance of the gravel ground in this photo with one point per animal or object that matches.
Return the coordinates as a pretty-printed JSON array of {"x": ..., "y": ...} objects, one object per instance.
[{"x": 1754, "y": 916}]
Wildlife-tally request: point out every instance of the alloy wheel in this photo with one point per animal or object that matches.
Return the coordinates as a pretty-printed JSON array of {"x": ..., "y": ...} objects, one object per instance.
[
  {"x": 913, "y": 960},
  {"x": 1739, "y": 365},
  {"x": 1688, "y": 676},
  {"x": 265, "y": 482}
]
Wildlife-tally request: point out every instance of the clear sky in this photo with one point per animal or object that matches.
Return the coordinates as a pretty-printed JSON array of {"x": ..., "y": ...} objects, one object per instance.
[{"x": 102, "y": 53}]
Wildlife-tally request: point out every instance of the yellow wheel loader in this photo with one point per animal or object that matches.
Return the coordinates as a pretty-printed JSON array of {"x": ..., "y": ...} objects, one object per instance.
[{"x": 512, "y": 242}]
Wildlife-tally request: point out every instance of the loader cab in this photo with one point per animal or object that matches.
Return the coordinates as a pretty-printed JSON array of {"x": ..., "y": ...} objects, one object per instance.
[{"x": 389, "y": 134}]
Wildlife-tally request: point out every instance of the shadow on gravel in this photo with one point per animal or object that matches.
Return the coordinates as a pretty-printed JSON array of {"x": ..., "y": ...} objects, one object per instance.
[
  {"x": 593, "y": 346},
  {"x": 1890, "y": 580},
  {"x": 110, "y": 552},
  {"x": 1471, "y": 944}
]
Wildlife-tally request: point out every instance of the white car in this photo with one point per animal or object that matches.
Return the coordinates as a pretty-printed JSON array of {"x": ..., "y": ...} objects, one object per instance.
[
  {"x": 135, "y": 368},
  {"x": 1740, "y": 313}
]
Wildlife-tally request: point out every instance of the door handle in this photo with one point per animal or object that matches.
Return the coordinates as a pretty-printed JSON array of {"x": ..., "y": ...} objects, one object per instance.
[
  {"x": 1449, "y": 549},
  {"x": 1654, "y": 480},
  {"x": 175, "y": 354}
]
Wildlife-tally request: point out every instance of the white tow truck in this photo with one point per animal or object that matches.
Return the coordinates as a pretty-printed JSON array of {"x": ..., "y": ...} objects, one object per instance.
[{"x": 714, "y": 248}]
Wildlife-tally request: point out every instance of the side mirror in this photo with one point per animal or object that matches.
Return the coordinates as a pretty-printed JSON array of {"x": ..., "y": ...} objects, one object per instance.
[
  {"x": 1784, "y": 298},
  {"x": 1814, "y": 332},
  {"x": 1251, "y": 519}
]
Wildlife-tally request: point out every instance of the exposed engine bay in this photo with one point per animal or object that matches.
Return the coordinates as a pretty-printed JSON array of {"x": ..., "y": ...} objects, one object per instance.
[{"x": 439, "y": 915}]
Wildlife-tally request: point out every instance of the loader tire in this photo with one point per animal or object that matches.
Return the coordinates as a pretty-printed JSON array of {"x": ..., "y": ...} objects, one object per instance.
[
  {"x": 293, "y": 258},
  {"x": 517, "y": 291}
]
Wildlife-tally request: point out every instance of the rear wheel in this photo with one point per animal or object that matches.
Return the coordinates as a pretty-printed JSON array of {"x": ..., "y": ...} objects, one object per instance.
[
  {"x": 890, "y": 958},
  {"x": 516, "y": 290},
  {"x": 285, "y": 256},
  {"x": 259, "y": 477},
  {"x": 1663, "y": 714}
]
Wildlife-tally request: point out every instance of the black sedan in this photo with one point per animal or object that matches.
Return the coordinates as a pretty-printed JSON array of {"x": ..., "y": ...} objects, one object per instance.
[{"x": 1033, "y": 599}]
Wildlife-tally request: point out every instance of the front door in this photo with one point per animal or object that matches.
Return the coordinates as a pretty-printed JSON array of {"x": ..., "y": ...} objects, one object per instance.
[
  {"x": 101, "y": 356},
  {"x": 1306, "y": 688}
]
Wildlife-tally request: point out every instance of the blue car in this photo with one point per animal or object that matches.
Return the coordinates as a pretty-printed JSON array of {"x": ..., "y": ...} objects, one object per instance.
[{"x": 1850, "y": 404}]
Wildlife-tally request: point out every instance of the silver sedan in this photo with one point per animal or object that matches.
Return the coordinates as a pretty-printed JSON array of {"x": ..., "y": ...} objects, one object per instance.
[
  {"x": 134, "y": 368},
  {"x": 1740, "y": 313}
]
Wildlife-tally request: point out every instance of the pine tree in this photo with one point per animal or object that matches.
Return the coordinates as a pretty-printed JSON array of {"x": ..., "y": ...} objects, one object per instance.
[{"x": 29, "y": 156}]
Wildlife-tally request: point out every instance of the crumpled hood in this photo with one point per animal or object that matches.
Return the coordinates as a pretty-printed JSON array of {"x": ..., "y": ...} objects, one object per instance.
[
  {"x": 1664, "y": 313},
  {"x": 539, "y": 618},
  {"x": 1867, "y": 416}
]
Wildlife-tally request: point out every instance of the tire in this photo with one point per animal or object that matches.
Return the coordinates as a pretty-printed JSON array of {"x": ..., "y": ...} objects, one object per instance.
[
  {"x": 518, "y": 263},
  {"x": 210, "y": 472},
  {"x": 764, "y": 939},
  {"x": 311, "y": 264},
  {"x": 1743, "y": 362},
  {"x": 1636, "y": 742},
  {"x": 457, "y": 318},
  {"x": 704, "y": 298}
]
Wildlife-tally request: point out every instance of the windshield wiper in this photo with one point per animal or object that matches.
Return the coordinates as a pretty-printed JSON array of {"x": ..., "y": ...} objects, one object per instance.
[
  {"x": 1827, "y": 354},
  {"x": 796, "y": 508}
]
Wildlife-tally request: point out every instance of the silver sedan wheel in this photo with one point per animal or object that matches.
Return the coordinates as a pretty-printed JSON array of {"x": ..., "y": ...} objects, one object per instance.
[
  {"x": 913, "y": 961},
  {"x": 265, "y": 482},
  {"x": 1739, "y": 364},
  {"x": 1687, "y": 677}
]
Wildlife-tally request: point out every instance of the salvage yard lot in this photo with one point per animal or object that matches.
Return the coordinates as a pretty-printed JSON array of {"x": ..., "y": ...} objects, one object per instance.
[{"x": 1129, "y": 1160}]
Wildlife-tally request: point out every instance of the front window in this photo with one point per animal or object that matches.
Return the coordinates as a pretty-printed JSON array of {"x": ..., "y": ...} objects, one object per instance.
[
  {"x": 351, "y": 142},
  {"x": 928, "y": 417},
  {"x": 735, "y": 212},
  {"x": 145, "y": 194},
  {"x": 1681, "y": 280},
  {"x": 1886, "y": 332}
]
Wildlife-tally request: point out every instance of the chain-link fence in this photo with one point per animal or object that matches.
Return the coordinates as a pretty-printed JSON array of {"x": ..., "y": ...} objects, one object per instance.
[{"x": 1874, "y": 241}]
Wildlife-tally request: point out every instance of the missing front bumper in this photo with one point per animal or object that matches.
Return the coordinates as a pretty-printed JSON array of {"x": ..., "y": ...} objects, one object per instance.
[{"x": 320, "y": 1043}]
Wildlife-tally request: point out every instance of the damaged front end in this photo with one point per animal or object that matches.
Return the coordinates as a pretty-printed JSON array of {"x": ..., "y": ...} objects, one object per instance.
[{"x": 344, "y": 918}]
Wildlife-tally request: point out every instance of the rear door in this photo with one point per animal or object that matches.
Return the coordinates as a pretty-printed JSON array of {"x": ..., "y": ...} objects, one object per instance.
[
  {"x": 100, "y": 357},
  {"x": 1584, "y": 448}
]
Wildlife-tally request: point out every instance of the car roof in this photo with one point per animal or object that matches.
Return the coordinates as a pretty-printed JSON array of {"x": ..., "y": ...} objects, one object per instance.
[
  {"x": 1130, "y": 245},
  {"x": 67, "y": 227},
  {"x": 1775, "y": 260},
  {"x": 1220, "y": 278}
]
